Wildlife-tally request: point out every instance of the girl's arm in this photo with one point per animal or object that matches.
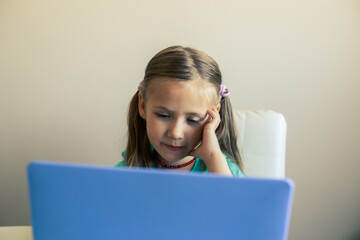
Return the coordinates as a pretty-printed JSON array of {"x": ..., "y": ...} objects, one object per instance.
[{"x": 209, "y": 150}]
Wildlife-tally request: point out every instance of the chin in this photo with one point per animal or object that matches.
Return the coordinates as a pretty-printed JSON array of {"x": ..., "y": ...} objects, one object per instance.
[{"x": 171, "y": 157}]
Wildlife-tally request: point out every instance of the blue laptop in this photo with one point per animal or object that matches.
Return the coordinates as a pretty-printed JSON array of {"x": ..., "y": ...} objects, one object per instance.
[{"x": 72, "y": 201}]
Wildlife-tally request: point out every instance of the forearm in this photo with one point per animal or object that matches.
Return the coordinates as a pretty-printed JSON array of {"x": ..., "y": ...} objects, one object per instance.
[{"x": 217, "y": 163}]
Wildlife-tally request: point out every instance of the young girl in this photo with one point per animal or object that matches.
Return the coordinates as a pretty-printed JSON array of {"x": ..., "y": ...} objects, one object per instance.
[{"x": 181, "y": 116}]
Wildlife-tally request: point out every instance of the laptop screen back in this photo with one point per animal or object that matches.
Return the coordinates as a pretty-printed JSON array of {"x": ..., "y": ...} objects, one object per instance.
[{"x": 70, "y": 201}]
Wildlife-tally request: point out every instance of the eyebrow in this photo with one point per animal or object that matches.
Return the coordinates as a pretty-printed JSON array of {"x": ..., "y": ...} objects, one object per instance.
[{"x": 190, "y": 114}]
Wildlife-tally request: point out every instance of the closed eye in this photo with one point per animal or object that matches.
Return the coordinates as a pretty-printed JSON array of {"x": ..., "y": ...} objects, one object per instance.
[
  {"x": 193, "y": 121},
  {"x": 162, "y": 115}
]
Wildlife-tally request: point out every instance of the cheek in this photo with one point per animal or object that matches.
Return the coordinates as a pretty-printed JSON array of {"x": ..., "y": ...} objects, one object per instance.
[
  {"x": 196, "y": 135},
  {"x": 153, "y": 127}
]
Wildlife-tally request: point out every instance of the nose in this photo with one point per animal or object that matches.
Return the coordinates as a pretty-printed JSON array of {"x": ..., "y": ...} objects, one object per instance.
[{"x": 175, "y": 130}]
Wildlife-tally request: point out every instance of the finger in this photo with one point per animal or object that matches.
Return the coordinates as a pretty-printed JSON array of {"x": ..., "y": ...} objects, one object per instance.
[
  {"x": 194, "y": 152},
  {"x": 214, "y": 117}
]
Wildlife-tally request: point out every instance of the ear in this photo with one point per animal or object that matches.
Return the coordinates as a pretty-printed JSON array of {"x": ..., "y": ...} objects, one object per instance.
[
  {"x": 141, "y": 105},
  {"x": 218, "y": 106}
]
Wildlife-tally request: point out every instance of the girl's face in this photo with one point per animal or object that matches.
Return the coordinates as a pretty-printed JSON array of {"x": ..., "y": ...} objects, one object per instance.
[{"x": 175, "y": 115}]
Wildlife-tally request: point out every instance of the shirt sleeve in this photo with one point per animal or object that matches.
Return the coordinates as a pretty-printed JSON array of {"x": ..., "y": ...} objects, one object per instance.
[
  {"x": 122, "y": 163},
  {"x": 234, "y": 168}
]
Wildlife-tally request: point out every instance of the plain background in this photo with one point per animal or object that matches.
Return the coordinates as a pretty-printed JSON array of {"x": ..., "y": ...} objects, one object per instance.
[{"x": 69, "y": 68}]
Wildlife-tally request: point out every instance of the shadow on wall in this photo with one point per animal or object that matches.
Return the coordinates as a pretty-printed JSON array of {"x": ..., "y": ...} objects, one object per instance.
[
  {"x": 356, "y": 234},
  {"x": 355, "y": 237}
]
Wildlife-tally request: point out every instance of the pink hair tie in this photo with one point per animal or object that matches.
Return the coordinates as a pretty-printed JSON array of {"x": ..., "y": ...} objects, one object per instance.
[
  {"x": 224, "y": 91},
  {"x": 141, "y": 85}
]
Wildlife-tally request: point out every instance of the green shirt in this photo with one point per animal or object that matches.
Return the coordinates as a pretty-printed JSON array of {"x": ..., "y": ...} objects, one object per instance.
[{"x": 199, "y": 165}]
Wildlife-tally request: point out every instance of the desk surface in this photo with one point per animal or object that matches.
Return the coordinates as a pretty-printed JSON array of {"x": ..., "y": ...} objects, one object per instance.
[{"x": 16, "y": 232}]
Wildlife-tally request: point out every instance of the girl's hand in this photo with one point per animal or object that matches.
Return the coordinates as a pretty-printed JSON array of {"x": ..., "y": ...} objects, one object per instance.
[
  {"x": 209, "y": 146},
  {"x": 209, "y": 149}
]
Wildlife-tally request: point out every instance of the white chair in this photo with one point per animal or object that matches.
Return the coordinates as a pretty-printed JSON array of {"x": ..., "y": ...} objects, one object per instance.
[
  {"x": 16, "y": 233},
  {"x": 262, "y": 142}
]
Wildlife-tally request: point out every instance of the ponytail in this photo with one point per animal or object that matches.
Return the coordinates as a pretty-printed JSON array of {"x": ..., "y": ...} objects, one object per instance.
[
  {"x": 138, "y": 151},
  {"x": 227, "y": 132}
]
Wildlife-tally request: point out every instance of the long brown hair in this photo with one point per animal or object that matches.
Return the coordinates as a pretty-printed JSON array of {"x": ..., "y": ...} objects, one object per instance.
[{"x": 181, "y": 64}]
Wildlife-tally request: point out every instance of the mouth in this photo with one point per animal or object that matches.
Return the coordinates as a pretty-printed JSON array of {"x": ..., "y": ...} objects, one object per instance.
[{"x": 173, "y": 148}]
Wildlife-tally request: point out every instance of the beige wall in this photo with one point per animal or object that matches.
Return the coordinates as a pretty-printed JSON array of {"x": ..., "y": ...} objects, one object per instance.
[{"x": 69, "y": 68}]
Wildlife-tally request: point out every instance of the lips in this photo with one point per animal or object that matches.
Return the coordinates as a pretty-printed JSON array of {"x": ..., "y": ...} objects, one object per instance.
[{"x": 173, "y": 148}]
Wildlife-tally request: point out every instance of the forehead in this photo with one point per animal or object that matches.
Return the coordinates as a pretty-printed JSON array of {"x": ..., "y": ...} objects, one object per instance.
[{"x": 175, "y": 95}]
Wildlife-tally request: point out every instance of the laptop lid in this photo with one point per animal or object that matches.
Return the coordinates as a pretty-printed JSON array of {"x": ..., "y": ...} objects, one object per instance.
[{"x": 72, "y": 201}]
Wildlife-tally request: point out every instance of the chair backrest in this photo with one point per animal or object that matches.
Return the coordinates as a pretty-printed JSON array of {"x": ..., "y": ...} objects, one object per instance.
[{"x": 261, "y": 142}]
